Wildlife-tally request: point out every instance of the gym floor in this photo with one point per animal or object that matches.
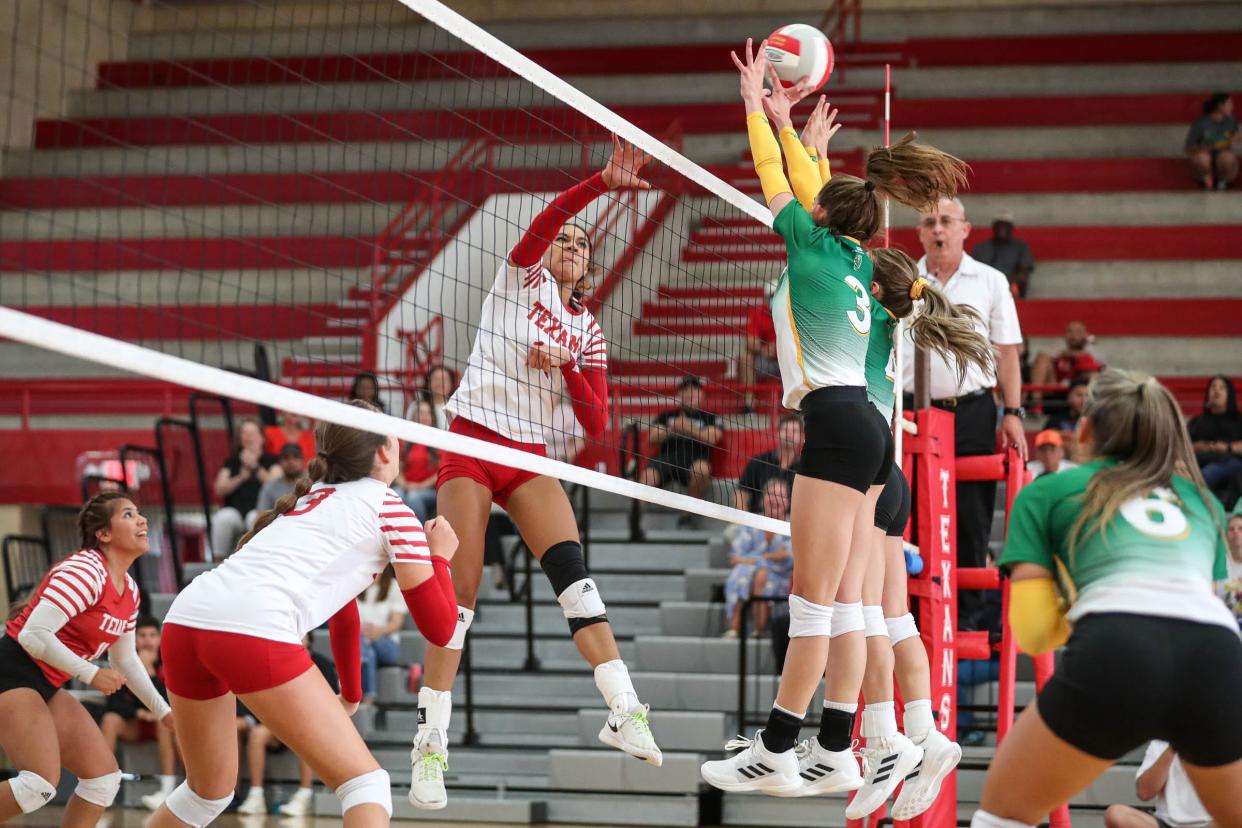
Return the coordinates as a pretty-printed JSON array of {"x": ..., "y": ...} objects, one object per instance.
[{"x": 134, "y": 818}]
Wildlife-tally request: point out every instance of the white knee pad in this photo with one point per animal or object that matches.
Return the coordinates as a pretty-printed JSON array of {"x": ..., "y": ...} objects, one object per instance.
[
  {"x": 192, "y": 809},
  {"x": 873, "y": 621},
  {"x": 101, "y": 790},
  {"x": 465, "y": 617},
  {"x": 31, "y": 791},
  {"x": 901, "y": 628},
  {"x": 847, "y": 618},
  {"x": 807, "y": 620},
  {"x": 581, "y": 599},
  {"x": 374, "y": 788},
  {"x": 982, "y": 819}
]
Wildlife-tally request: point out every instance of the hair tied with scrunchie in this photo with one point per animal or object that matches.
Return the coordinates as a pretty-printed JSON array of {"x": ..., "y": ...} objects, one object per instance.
[
  {"x": 916, "y": 288},
  {"x": 869, "y": 185}
]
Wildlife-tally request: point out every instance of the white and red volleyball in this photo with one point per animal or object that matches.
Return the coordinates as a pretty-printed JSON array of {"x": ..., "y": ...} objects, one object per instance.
[{"x": 800, "y": 51}]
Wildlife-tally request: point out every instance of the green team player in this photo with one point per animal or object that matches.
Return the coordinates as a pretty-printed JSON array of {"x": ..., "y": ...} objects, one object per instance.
[
  {"x": 1118, "y": 556},
  {"x": 822, "y": 314}
]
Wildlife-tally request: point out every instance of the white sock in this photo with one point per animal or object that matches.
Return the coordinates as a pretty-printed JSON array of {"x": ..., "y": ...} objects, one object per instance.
[
  {"x": 879, "y": 721},
  {"x": 918, "y": 720},
  {"x": 982, "y": 819},
  {"x": 844, "y": 707},
  {"x": 167, "y": 784},
  {"x": 613, "y": 680}
]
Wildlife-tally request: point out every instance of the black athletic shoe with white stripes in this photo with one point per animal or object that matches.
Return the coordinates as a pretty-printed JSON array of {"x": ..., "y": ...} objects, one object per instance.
[
  {"x": 885, "y": 763},
  {"x": 754, "y": 769},
  {"x": 825, "y": 771}
]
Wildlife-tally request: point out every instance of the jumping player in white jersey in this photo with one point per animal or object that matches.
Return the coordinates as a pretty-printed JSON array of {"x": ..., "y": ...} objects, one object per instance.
[
  {"x": 535, "y": 342},
  {"x": 84, "y": 607},
  {"x": 236, "y": 631}
]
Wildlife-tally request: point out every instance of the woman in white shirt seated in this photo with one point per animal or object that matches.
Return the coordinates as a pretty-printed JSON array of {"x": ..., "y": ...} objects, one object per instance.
[{"x": 382, "y": 611}]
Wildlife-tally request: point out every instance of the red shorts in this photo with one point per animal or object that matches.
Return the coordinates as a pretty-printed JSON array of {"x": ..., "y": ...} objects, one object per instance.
[
  {"x": 500, "y": 480},
  {"x": 205, "y": 664}
]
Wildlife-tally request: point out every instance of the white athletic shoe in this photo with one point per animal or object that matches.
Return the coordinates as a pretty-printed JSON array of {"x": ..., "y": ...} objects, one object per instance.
[
  {"x": 885, "y": 762},
  {"x": 254, "y": 803},
  {"x": 940, "y": 757},
  {"x": 825, "y": 771},
  {"x": 152, "y": 802},
  {"x": 754, "y": 769},
  {"x": 631, "y": 733},
  {"x": 299, "y": 805},
  {"x": 428, "y": 762}
]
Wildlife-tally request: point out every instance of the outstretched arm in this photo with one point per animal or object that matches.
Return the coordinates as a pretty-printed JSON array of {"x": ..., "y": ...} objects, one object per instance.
[
  {"x": 621, "y": 172},
  {"x": 763, "y": 147}
]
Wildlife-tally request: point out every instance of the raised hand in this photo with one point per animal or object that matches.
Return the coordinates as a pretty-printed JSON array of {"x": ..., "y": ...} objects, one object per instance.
[
  {"x": 623, "y": 166},
  {"x": 753, "y": 71},
  {"x": 820, "y": 127}
]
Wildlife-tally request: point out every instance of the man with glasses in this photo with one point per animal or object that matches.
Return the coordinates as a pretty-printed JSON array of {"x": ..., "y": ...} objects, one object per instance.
[{"x": 943, "y": 232}]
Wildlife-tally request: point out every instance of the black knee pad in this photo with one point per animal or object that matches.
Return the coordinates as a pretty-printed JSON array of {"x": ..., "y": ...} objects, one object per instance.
[{"x": 577, "y": 594}]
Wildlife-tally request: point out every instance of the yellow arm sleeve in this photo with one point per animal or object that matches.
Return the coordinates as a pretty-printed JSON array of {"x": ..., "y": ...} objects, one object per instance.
[
  {"x": 803, "y": 174},
  {"x": 1037, "y": 616},
  {"x": 767, "y": 155},
  {"x": 825, "y": 170}
]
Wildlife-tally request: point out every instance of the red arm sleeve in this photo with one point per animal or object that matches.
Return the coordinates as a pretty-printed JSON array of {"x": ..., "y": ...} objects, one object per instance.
[
  {"x": 588, "y": 394},
  {"x": 433, "y": 604},
  {"x": 538, "y": 237},
  {"x": 345, "y": 633}
]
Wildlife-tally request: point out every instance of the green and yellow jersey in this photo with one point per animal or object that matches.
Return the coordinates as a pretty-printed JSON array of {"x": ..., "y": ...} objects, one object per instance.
[
  {"x": 821, "y": 308},
  {"x": 1158, "y": 556},
  {"x": 881, "y": 369}
]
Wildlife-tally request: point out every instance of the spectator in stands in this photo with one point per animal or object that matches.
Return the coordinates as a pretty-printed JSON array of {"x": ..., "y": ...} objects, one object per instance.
[
  {"x": 762, "y": 562},
  {"x": 1217, "y": 438},
  {"x": 382, "y": 611},
  {"x": 261, "y": 741},
  {"x": 417, "y": 483},
  {"x": 1230, "y": 589},
  {"x": 1209, "y": 144},
  {"x": 292, "y": 468},
  {"x": 238, "y": 484},
  {"x": 1079, "y": 359},
  {"x": 1161, "y": 777},
  {"x": 758, "y": 355},
  {"x": 441, "y": 383},
  {"x": 684, "y": 437},
  {"x": 1067, "y": 421},
  {"x": 1007, "y": 254},
  {"x": 1049, "y": 454},
  {"x": 943, "y": 231},
  {"x": 289, "y": 428},
  {"x": 125, "y": 719},
  {"x": 781, "y": 461},
  {"x": 366, "y": 387}
]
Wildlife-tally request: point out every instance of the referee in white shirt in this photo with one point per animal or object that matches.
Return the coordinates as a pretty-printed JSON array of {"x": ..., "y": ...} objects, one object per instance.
[{"x": 943, "y": 233}]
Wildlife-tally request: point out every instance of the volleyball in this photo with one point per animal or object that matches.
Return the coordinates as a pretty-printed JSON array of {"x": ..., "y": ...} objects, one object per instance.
[{"x": 800, "y": 51}]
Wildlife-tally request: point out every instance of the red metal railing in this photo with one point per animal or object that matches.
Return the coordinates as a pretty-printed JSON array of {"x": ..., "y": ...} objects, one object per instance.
[{"x": 842, "y": 22}]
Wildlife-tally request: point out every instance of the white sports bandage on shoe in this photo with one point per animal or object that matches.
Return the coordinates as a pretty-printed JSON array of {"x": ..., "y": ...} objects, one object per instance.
[
  {"x": 435, "y": 708},
  {"x": 465, "y": 617},
  {"x": 982, "y": 819},
  {"x": 873, "y": 621},
  {"x": 807, "y": 620},
  {"x": 374, "y": 788},
  {"x": 879, "y": 721},
  {"x": 101, "y": 790},
  {"x": 846, "y": 618},
  {"x": 613, "y": 680},
  {"x": 901, "y": 628},
  {"x": 31, "y": 791},
  {"x": 192, "y": 809}
]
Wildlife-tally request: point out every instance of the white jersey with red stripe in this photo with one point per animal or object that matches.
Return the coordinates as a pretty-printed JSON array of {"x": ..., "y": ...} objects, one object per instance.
[
  {"x": 99, "y": 614},
  {"x": 297, "y": 572},
  {"x": 498, "y": 391}
]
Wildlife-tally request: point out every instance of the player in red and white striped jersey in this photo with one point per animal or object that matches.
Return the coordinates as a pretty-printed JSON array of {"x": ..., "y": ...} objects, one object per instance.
[
  {"x": 236, "y": 631},
  {"x": 85, "y": 607},
  {"x": 536, "y": 343}
]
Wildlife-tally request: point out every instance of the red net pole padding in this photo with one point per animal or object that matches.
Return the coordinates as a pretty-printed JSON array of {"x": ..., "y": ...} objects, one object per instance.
[{"x": 978, "y": 578}]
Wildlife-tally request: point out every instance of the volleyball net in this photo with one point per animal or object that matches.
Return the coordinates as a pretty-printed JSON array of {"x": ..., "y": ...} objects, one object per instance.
[{"x": 307, "y": 203}]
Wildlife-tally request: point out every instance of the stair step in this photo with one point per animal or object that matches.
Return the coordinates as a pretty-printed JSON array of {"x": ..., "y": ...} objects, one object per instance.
[{"x": 591, "y": 770}]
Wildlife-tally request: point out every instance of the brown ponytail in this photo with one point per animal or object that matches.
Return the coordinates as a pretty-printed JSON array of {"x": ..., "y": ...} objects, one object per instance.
[
  {"x": 344, "y": 454},
  {"x": 1136, "y": 421},
  {"x": 940, "y": 325},
  {"x": 917, "y": 175}
]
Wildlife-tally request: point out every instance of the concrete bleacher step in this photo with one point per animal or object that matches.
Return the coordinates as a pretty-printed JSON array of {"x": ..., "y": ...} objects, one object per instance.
[
  {"x": 598, "y": 808},
  {"x": 501, "y": 616},
  {"x": 647, "y": 557},
  {"x": 693, "y": 618},
  {"x": 471, "y": 761},
  {"x": 1090, "y": 280},
  {"x": 610, "y": 770},
  {"x": 698, "y": 655},
  {"x": 675, "y": 730},
  {"x": 508, "y": 653},
  {"x": 219, "y": 287}
]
